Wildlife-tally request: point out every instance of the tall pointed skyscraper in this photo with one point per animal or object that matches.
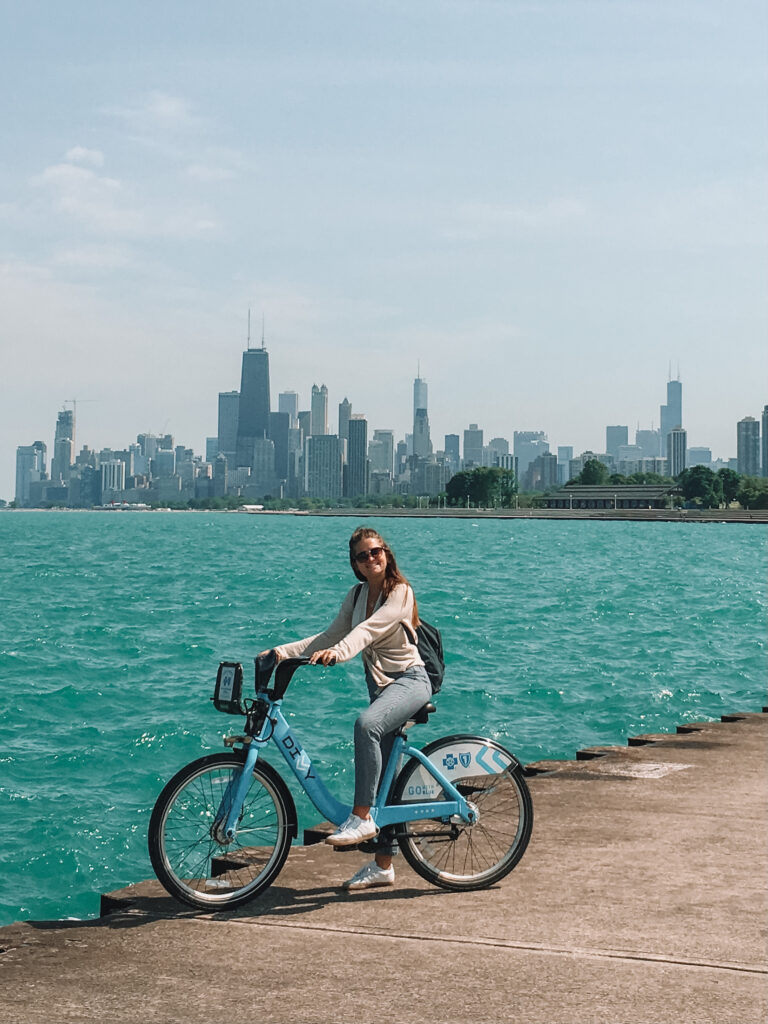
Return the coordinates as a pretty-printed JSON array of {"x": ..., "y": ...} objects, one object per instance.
[
  {"x": 253, "y": 410},
  {"x": 672, "y": 412},
  {"x": 422, "y": 445}
]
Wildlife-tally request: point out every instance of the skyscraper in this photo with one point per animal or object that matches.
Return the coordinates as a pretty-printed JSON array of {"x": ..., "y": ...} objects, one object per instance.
[
  {"x": 323, "y": 466},
  {"x": 676, "y": 450},
  {"x": 345, "y": 411},
  {"x": 452, "y": 455},
  {"x": 381, "y": 451},
  {"x": 319, "y": 411},
  {"x": 30, "y": 468},
  {"x": 614, "y": 438},
  {"x": 63, "y": 446},
  {"x": 527, "y": 445},
  {"x": 748, "y": 446},
  {"x": 422, "y": 444},
  {"x": 229, "y": 407},
  {"x": 420, "y": 392},
  {"x": 288, "y": 401},
  {"x": 764, "y": 445},
  {"x": 672, "y": 412},
  {"x": 357, "y": 458},
  {"x": 473, "y": 446},
  {"x": 253, "y": 407},
  {"x": 279, "y": 427},
  {"x": 650, "y": 442}
]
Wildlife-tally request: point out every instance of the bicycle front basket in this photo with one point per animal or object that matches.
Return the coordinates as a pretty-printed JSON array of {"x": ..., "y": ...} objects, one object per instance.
[{"x": 228, "y": 692}]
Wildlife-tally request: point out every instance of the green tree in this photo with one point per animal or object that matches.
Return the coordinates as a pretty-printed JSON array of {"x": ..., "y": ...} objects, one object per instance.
[
  {"x": 484, "y": 486},
  {"x": 730, "y": 482},
  {"x": 753, "y": 492},
  {"x": 702, "y": 485},
  {"x": 593, "y": 473}
]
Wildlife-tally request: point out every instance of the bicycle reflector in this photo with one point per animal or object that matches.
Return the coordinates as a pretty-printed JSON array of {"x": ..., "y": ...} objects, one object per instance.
[{"x": 228, "y": 692}]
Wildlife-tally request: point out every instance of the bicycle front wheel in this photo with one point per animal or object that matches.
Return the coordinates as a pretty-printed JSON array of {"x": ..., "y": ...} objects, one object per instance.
[
  {"x": 448, "y": 852},
  {"x": 187, "y": 851}
]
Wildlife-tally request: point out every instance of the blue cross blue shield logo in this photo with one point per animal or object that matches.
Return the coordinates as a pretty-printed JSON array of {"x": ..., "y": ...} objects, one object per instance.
[{"x": 466, "y": 760}]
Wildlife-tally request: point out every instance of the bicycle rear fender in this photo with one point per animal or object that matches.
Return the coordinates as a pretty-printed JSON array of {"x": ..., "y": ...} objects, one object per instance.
[{"x": 458, "y": 756}]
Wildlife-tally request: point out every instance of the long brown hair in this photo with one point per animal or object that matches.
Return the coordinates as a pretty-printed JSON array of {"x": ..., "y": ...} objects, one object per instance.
[{"x": 392, "y": 575}]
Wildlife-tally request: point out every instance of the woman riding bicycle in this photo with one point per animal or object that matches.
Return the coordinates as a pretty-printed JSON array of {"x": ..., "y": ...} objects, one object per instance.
[{"x": 370, "y": 622}]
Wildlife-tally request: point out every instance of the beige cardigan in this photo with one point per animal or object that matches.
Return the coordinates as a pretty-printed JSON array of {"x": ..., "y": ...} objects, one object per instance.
[{"x": 386, "y": 646}]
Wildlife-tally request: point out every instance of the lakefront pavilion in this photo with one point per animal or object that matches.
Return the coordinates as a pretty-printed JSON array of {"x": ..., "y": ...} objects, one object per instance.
[{"x": 611, "y": 496}]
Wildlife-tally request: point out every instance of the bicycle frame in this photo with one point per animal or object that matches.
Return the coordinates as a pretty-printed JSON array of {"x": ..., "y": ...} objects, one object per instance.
[{"x": 277, "y": 730}]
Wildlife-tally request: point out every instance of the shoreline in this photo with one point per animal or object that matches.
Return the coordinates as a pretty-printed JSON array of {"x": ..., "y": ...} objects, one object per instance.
[{"x": 683, "y": 515}]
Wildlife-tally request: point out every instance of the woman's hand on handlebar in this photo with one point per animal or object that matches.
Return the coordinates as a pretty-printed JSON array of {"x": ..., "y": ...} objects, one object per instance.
[
  {"x": 271, "y": 650},
  {"x": 322, "y": 658}
]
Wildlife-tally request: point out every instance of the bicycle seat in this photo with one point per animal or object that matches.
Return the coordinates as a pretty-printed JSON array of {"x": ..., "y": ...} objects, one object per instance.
[{"x": 422, "y": 715}]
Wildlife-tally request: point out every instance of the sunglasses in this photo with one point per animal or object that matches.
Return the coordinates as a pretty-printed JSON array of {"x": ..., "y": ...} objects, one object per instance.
[{"x": 371, "y": 553}]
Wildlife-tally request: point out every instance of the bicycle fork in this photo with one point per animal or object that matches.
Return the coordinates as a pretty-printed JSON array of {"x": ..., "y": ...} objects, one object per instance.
[{"x": 229, "y": 810}]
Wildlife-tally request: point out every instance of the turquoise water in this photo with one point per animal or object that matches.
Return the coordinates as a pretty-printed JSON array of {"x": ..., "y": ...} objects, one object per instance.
[{"x": 559, "y": 635}]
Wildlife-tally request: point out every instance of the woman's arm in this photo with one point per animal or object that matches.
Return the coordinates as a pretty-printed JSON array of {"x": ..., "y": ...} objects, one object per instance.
[{"x": 338, "y": 629}]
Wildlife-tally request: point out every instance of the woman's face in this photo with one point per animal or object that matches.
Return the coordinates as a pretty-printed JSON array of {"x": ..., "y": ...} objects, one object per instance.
[{"x": 371, "y": 559}]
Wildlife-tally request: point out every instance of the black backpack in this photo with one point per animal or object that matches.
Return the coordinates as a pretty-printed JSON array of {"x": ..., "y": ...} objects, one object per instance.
[{"x": 430, "y": 645}]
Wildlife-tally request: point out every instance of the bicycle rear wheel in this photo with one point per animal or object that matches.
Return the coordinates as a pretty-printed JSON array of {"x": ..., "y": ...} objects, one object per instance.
[
  {"x": 450, "y": 853},
  {"x": 188, "y": 858}
]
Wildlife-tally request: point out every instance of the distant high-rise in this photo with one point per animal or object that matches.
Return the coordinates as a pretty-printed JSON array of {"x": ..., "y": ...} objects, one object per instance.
[
  {"x": 381, "y": 451},
  {"x": 319, "y": 411},
  {"x": 305, "y": 422},
  {"x": 614, "y": 438},
  {"x": 288, "y": 401},
  {"x": 452, "y": 455},
  {"x": 253, "y": 408},
  {"x": 420, "y": 393},
  {"x": 63, "y": 446},
  {"x": 279, "y": 428},
  {"x": 676, "y": 450},
  {"x": 229, "y": 407},
  {"x": 422, "y": 443},
  {"x": 672, "y": 412},
  {"x": 650, "y": 442},
  {"x": 30, "y": 468},
  {"x": 473, "y": 446},
  {"x": 764, "y": 445},
  {"x": 323, "y": 466},
  {"x": 564, "y": 456},
  {"x": 698, "y": 457},
  {"x": 528, "y": 445},
  {"x": 345, "y": 411},
  {"x": 748, "y": 446},
  {"x": 357, "y": 458}
]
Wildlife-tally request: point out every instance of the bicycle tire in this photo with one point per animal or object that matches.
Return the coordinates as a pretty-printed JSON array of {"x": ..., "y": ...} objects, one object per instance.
[
  {"x": 191, "y": 864},
  {"x": 453, "y": 855}
]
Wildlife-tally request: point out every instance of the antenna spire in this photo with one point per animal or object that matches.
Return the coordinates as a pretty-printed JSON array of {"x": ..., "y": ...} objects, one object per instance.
[
  {"x": 262, "y": 332},
  {"x": 249, "y": 327}
]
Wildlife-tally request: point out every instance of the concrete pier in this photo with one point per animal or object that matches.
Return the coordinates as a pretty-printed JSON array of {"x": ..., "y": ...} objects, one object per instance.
[{"x": 641, "y": 898}]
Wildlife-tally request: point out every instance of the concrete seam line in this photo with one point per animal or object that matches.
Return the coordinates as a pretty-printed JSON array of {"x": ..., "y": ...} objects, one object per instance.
[{"x": 524, "y": 947}]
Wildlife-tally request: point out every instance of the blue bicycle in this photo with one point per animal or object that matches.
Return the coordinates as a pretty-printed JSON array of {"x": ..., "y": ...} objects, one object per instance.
[{"x": 222, "y": 827}]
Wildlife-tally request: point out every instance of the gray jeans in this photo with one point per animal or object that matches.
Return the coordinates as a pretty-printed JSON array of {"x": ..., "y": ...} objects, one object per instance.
[{"x": 391, "y": 706}]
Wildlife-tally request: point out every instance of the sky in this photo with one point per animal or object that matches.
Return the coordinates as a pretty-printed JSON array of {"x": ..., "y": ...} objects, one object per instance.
[{"x": 541, "y": 207}]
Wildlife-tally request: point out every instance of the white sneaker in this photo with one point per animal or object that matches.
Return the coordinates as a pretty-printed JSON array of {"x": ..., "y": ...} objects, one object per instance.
[
  {"x": 353, "y": 831},
  {"x": 369, "y": 876}
]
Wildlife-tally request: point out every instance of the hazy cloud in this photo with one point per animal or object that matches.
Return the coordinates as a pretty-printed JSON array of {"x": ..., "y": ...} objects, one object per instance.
[{"x": 80, "y": 155}]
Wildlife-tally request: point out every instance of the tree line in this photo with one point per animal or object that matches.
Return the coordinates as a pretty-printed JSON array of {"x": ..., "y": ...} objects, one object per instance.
[{"x": 699, "y": 484}]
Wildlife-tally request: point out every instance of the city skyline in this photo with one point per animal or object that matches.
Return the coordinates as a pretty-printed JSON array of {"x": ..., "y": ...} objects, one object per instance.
[
  {"x": 296, "y": 453},
  {"x": 534, "y": 208}
]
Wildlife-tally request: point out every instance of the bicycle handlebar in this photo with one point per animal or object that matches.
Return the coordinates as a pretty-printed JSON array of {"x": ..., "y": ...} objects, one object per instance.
[{"x": 284, "y": 674}]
